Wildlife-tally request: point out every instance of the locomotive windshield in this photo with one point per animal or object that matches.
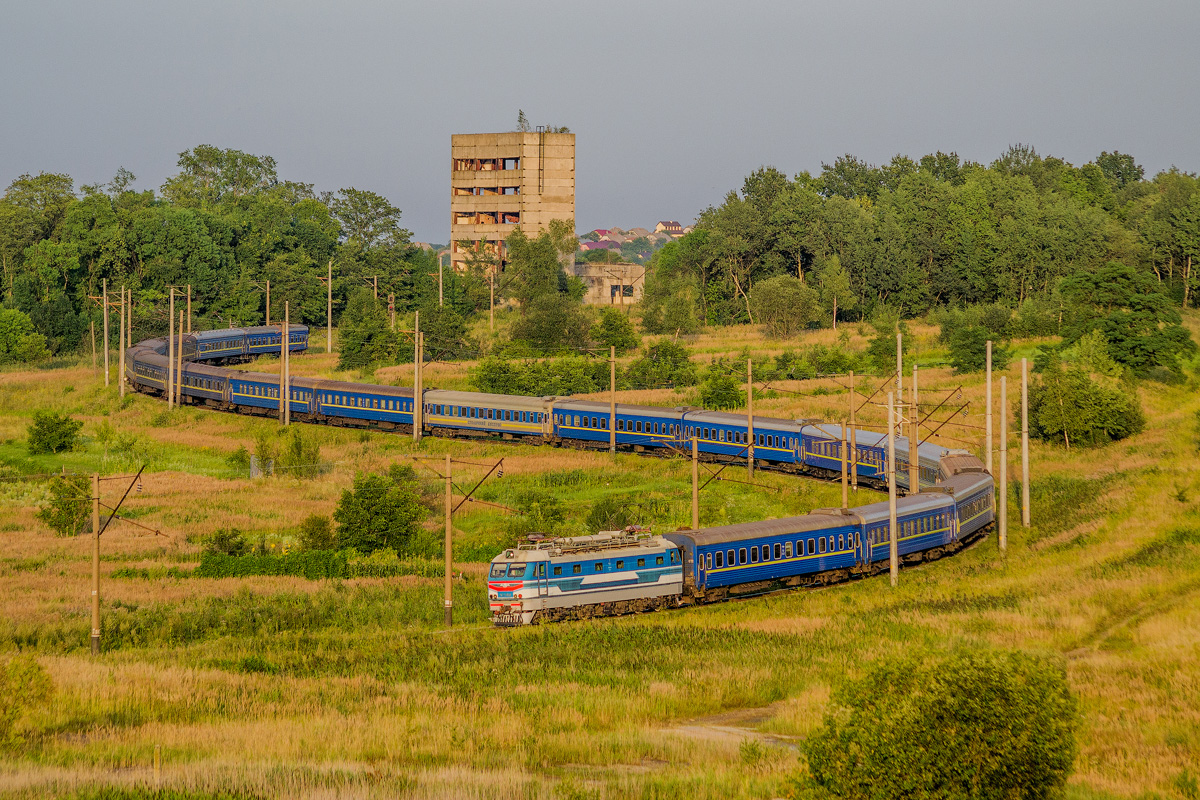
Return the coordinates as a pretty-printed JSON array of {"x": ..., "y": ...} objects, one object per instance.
[{"x": 500, "y": 570}]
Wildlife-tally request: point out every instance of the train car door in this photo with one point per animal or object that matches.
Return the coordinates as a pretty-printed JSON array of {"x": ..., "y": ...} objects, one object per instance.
[
  {"x": 227, "y": 391},
  {"x": 699, "y": 570},
  {"x": 863, "y": 548},
  {"x": 543, "y": 583}
]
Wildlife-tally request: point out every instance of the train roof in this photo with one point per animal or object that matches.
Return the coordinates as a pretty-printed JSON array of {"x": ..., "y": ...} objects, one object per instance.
[
  {"x": 485, "y": 400},
  {"x": 966, "y": 484},
  {"x": 360, "y": 388},
  {"x": 785, "y": 526},
  {"x": 622, "y": 408},
  {"x": 606, "y": 544},
  {"x": 912, "y": 504},
  {"x": 726, "y": 418},
  {"x": 254, "y": 330},
  {"x": 958, "y": 462}
]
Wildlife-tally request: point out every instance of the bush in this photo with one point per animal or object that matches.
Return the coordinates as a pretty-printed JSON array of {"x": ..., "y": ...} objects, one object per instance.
[
  {"x": 881, "y": 352},
  {"x": 380, "y": 511},
  {"x": 786, "y": 305},
  {"x": 300, "y": 456},
  {"x": 239, "y": 459},
  {"x": 551, "y": 324},
  {"x": 975, "y": 725},
  {"x": 316, "y": 533},
  {"x": 1068, "y": 405},
  {"x": 24, "y": 687},
  {"x": 69, "y": 511},
  {"x": 562, "y": 376},
  {"x": 53, "y": 433},
  {"x": 968, "y": 350},
  {"x": 19, "y": 342},
  {"x": 540, "y": 512},
  {"x": 614, "y": 329},
  {"x": 667, "y": 363},
  {"x": 721, "y": 390},
  {"x": 226, "y": 541},
  {"x": 609, "y": 514}
]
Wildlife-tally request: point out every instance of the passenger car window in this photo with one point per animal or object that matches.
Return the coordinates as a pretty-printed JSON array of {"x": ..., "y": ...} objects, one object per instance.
[
  {"x": 620, "y": 565},
  {"x": 658, "y": 560},
  {"x": 742, "y": 555}
]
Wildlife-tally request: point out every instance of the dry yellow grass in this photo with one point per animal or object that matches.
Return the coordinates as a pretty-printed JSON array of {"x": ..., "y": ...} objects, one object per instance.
[{"x": 1130, "y": 636}]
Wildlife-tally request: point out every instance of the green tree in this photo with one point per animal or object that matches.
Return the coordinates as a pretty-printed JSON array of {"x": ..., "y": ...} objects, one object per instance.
[
  {"x": 968, "y": 350},
  {"x": 52, "y": 432},
  {"x": 446, "y": 337},
  {"x": 367, "y": 218},
  {"x": 300, "y": 456},
  {"x": 210, "y": 175},
  {"x": 1142, "y": 326},
  {"x": 1120, "y": 169},
  {"x": 19, "y": 342},
  {"x": 366, "y": 337},
  {"x": 613, "y": 329},
  {"x": 721, "y": 390},
  {"x": 976, "y": 725},
  {"x": 551, "y": 324},
  {"x": 833, "y": 282},
  {"x": 663, "y": 364},
  {"x": 1067, "y": 404},
  {"x": 69, "y": 509},
  {"x": 785, "y": 305},
  {"x": 379, "y": 512}
]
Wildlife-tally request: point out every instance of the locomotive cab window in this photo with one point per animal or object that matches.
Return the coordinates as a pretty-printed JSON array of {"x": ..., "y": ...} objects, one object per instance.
[{"x": 498, "y": 570}]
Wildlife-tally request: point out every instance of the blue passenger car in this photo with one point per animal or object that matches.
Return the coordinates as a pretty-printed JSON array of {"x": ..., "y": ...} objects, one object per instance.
[
  {"x": 637, "y": 426},
  {"x": 924, "y": 521}
]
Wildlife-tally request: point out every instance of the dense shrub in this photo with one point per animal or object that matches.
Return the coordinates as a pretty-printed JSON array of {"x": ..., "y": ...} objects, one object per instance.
[
  {"x": 52, "y": 432},
  {"x": 968, "y": 350},
  {"x": 975, "y": 725},
  {"x": 316, "y": 533},
  {"x": 226, "y": 541},
  {"x": 1070, "y": 406},
  {"x": 881, "y": 351},
  {"x": 665, "y": 364},
  {"x": 613, "y": 329},
  {"x": 721, "y": 390},
  {"x": 365, "y": 337},
  {"x": 561, "y": 376},
  {"x": 786, "y": 305},
  {"x": 20, "y": 343},
  {"x": 380, "y": 511},
  {"x": 24, "y": 687},
  {"x": 69, "y": 511}
]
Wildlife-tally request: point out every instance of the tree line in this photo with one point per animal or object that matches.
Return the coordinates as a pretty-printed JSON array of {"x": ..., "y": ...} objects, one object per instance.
[
  {"x": 226, "y": 223},
  {"x": 913, "y": 235}
]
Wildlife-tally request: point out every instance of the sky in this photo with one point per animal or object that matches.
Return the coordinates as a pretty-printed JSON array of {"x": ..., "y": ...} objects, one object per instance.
[{"x": 672, "y": 103}]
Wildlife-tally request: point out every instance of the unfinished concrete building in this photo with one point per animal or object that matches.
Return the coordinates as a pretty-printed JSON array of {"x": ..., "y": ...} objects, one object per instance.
[{"x": 499, "y": 181}]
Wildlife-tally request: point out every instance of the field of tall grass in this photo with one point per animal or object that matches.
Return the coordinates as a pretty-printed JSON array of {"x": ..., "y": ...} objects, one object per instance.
[{"x": 281, "y": 686}]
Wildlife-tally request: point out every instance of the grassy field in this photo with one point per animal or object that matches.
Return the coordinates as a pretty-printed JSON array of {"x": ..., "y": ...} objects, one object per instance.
[{"x": 288, "y": 687}]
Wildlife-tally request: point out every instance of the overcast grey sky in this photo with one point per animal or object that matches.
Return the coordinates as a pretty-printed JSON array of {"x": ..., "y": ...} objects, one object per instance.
[{"x": 672, "y": 103}]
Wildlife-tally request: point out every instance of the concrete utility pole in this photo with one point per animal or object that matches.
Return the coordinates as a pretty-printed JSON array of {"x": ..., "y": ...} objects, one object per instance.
[
  {"x": 492, "y": 300},
  {"x": 1025, "y": 509},
  {"x": 417, "y": 377},
  {"x": 179, "y": 364},
  {"x": 914, "y": 437},
  {"x": 988, "y": 424},
  {"x": 1003, "y": 463},
  {"x": 750, "y": 417},
  {"x": 440, "y": 294},
  {"x": 375, "y": 285},
  {"x": 171, "y": 351},
  {"x": 95, "y": 563},
  {"x": 284, "y": 405},
  {"x": 92, "y": 325},
  {"x": 189, "y": 310},
  {"x": 612, "y": 398},
  {"x": 268, "y": 322},
  {"x": 853, "y": 440},
  {"x": 104, "y": 302},
  {"x": 121, "y": 353},
  {"x": 899, "y": 370},
  {"x": 695, "y": 484},
  {"x": 329, "y": 309},
  {"x": 449, "y": 599},
  {"x": 392, "y": 308},
  {"x": 845, "y": 478},
  {"x": 893, "y": 534}
]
